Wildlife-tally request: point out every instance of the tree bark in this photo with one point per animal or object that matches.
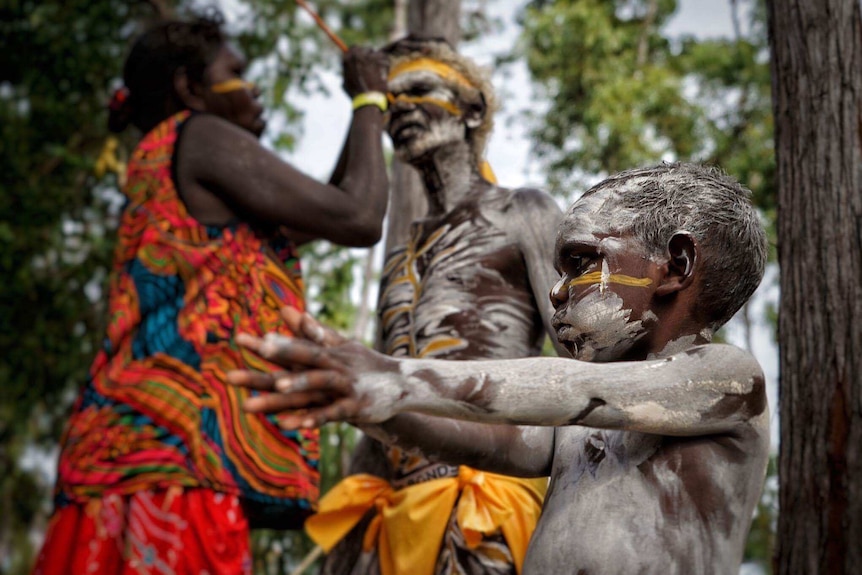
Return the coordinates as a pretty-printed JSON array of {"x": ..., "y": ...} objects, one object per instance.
[
  {"x": 435, "y": 18},
  {"x": 817, "y": 91}
]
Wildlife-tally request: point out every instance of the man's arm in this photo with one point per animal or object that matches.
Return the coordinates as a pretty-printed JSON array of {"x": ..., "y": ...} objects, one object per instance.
[{"x": 536, "y": 220}]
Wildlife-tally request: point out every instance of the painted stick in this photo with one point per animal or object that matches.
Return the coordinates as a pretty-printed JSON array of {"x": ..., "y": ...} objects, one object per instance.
[{"x": 332, "y": 35}]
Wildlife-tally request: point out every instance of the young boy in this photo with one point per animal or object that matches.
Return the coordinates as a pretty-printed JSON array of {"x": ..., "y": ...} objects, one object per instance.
[{"x": 656, "y": 449}]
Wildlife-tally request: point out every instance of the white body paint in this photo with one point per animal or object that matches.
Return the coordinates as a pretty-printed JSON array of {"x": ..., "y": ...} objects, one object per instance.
[
  {"x": 656, "y": 464},
  {"x": 600, "y": 327},
  {"x": 665, "y": 478},
  {"x": 460, "y": 289},
  {"x": 445, "y": 294}
]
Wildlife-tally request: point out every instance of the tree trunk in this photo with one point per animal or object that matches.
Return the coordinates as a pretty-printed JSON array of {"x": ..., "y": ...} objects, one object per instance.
[
  {"x": 435, "y": 18},
  {"x": 817, "y": 91}
]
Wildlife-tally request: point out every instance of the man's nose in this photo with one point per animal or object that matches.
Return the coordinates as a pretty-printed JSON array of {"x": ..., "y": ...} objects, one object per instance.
[
  {"x": 400, "y": 101},
  {"x": 559, "y": 293}
]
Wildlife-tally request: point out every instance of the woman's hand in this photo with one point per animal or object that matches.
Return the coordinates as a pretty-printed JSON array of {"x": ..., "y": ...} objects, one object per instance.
[{"x": 365, "y": 70}]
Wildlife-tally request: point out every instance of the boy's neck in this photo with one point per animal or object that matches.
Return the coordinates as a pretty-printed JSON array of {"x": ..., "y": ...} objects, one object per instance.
[{"x": 681, "y": 343}]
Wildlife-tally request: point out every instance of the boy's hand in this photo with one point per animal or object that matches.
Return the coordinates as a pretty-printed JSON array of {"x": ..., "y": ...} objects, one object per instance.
[{"x": 319, "y": 384}]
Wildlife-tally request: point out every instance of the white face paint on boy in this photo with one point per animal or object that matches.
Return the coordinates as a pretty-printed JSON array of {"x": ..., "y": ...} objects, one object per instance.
[{"x": 604, "y": 297}]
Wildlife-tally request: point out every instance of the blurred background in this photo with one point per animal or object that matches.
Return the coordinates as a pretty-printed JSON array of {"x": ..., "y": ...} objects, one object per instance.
[{"x": 587, "y": 87}]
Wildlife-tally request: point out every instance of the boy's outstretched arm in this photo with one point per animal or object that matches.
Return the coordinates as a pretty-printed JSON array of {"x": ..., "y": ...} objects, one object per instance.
[
  {"x": 504, "y": 449},
  {"x": 707, "y": 389}
]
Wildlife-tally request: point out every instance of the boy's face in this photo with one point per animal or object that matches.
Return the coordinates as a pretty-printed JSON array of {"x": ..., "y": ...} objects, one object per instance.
[{"x": 604, "y": 297}]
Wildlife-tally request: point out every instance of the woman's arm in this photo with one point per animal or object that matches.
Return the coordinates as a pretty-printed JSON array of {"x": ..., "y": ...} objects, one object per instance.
[{"x": 255, "y": 184}]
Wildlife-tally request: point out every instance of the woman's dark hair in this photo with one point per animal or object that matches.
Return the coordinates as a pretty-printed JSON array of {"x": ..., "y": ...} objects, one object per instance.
[{"x": 155, "y": 58}]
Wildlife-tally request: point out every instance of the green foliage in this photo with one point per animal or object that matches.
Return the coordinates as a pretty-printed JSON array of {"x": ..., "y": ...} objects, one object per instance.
[
  {"x": 623, "y": 94},
  {"x": 760, "y": 546},
  {"x": 58, "y": 62},
  {"x": 328, "y": 273}
]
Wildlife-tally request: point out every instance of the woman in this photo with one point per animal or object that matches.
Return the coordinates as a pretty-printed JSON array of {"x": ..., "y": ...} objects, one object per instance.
[{"x": 160, "y": 470}]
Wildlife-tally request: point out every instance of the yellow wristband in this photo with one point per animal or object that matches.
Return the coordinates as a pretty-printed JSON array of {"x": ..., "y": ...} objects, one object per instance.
[{"x": 371, "y": 99}]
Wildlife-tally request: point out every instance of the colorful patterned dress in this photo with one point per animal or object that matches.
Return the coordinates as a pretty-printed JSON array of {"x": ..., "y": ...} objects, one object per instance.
[{"x": 159, "y": 464}]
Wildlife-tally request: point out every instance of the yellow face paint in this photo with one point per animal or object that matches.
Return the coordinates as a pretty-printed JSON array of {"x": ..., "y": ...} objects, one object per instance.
[
  {"x": 487, "y": 172},
  {"x": 619, "y": 279},
  {"x": 232, "y": 85},
  {"x": 448, "y": 106},
  {"x": 445, "y": 71}
]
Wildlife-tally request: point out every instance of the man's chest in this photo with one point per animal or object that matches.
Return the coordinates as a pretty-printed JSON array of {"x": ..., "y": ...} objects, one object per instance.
[{"x": 453, "y": 285}]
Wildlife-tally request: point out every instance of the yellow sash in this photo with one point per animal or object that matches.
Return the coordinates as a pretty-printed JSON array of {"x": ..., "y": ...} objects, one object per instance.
[{"x": 410, "y": 522}]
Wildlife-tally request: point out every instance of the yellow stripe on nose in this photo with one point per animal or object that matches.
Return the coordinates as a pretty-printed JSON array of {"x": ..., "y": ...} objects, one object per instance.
[
  {"x": 619, "y": 279},
  {"x": 448, "y": 106},
  {"x": 232, "y": 85}
]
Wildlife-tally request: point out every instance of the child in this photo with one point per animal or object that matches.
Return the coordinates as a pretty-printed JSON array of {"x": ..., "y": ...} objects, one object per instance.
[
  {"x": 160, "y": 469},
  {"x": 657, "y": 449}
]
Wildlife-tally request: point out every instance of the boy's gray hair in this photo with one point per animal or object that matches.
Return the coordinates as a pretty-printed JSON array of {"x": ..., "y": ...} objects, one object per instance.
[{"x": 715, "y": 209}]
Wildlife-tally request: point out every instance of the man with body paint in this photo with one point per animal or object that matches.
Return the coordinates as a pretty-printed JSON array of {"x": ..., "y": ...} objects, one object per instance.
[
  {"x": 471, "y": 283},
  {"x": 657, "y": 448}
]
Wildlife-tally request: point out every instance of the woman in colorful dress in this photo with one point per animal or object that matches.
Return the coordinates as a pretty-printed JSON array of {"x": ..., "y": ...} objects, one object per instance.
[{"x": 160, "y": 469}]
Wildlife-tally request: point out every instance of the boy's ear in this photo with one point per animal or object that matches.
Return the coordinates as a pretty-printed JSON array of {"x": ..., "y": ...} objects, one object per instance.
[
  {"x": 188, "y": 91},
  {"x": 683, "y": 261},
  {"x": 474, "y": 112}
]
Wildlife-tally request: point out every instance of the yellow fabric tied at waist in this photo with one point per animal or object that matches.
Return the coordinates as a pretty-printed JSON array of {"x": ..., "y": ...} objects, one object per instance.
[{"x": 410, "y": 522}]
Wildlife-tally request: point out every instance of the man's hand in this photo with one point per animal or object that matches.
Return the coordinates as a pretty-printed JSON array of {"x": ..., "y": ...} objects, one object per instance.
[{"x": 319, "y": 383}]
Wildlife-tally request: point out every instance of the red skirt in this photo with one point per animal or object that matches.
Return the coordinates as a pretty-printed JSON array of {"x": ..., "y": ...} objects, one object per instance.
[{"x": 182, "y": 532}]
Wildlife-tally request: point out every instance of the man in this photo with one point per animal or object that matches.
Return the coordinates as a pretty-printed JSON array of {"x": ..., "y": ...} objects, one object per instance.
[
  {"x": 471, "y": 283},
  {"x": 657, "y": 449}
]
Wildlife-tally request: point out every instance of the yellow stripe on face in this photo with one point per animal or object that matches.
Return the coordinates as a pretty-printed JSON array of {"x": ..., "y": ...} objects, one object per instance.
[
  {"x": 233, "y": 85},
  {"x": 596, "y": 277},
  {"x": 445, "y": 71},
  {"x": 448, "y": 106}
]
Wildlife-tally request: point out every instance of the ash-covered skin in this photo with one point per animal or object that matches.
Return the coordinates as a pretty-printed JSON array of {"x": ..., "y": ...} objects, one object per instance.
[
  {"x": 598, "y": 325},
  {"x": 666, "y": 476},
  {"x": 460, "y": 289},
  {"x": 664, "y": 479},
  {"x": 471, "y": 283},
  {"x": 657, "y": 457}
]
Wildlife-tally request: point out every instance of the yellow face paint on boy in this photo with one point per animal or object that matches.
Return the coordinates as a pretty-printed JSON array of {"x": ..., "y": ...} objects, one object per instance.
[{"x": 619, "y": 279}]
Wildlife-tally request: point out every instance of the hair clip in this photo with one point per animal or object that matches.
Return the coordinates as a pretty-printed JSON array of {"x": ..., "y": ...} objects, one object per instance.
[{"x": 118, "y": 98}]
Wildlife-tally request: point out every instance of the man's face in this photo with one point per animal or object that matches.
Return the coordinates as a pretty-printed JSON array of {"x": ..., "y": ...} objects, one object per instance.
[
  {"x": 604, "y": 295},
  {"x": 425, "y": 111}
]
